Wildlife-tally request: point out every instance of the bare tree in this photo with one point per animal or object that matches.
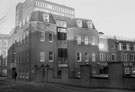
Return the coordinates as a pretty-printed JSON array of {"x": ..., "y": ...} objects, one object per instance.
[{"x": 3, "y": 19}]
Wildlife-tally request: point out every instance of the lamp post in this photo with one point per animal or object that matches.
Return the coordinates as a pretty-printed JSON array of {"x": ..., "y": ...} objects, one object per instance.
[
  {"x": 42, "y": 67},
  {"x": 47, "y": 66}
]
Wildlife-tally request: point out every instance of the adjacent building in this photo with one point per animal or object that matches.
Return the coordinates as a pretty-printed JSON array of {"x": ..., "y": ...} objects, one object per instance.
[
  {"x": 3, "y": 54},
  {"x": 117, "y": 49}
]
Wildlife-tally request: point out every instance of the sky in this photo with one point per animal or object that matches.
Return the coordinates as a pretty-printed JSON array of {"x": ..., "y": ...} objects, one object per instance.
[{"x": 112, "y": 17}]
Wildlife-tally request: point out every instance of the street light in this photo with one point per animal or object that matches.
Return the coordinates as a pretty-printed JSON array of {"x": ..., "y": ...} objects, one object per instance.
[{"x": 47, "y": 66}]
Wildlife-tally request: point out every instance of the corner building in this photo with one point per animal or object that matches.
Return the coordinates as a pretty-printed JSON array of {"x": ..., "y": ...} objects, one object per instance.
[{"x": 55, "y": 41}]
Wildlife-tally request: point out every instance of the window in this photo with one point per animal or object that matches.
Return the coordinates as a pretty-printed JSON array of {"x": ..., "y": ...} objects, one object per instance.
[
  {"x": 79, "y": 23},
  {"x": 78, "y": 39},
  {"x": 42, "y": 36},
  {"x": 5, "y": 43},
  {"x": 62, "y": 52},
  {"x": 127, "y": 46},
  {"x": 125, "y": 57},
  {"x": 4, "y": 52},
  {"x": 101, "y": 56},
  {"x": 108, "y": 58},
  {"x": 131, "y": 57},
  {"x": 4, "y": 62},
  {"x": 112, "y": 46},
  {"x": 46, "y": 17},
  {"x": 124, "y": 46},
  {"x": 50, "y": 56},
  {"x": 89, "y": 23},
  {"x": 93, "y": 41},
  {"x": 79, "y": 57},
  {"x": 113, "y": 57},
  {"x": 86, "y": 57},
  {"x": 42, "y": 56},
  {"x": 61, "y": 23},
  {"x": 93, "y": 57},
  {"x": 86, "y": 40},
  {"x": 131, "y": 47},
  {"x": 50, "y": 37},
  {"x": 62, "y": 35}
]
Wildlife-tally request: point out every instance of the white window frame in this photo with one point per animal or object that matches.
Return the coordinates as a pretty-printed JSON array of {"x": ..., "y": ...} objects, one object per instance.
[
  {"x": 6, "y": 42},
  {"x": 93, "y": 57},
  {"x": 42, "y": 56},
  {"x": 79, "y": 23},
  {"x": 108, "y": 57},
  {"x": 46, "y": 17},
  {"x": 51, "y": 37},
  {"x": 114, "y": 57},
  {"x": 93, "y": 41},
  {"x": 86, "y": 57},
  {"x": 42, "y": 36},
  {"x": 80, "y": 56},
  {"x": 90, "y": 25},
  {"x": 86, "y": 40},
  {"x": 125, "y": 57},
  {"x": 51, "y": 56},
  {"x": 79, "y": 39},
  {"x": 101, "y": 57}
]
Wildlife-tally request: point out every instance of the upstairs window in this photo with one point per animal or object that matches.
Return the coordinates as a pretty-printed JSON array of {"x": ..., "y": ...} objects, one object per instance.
[
  {"x": 46, "y": 17},
  {"x": 86, "y": 40},
  {"x": 42, "y": 36},
  {"x": 112, "y": 46},
  {"x": 131, "y": 47},
  {"x": 93, "y": 39},
  {"x": 50, "y": 37},
  {"x": 86, "y": 57},
  {"x": 79, "y": 23},
  {"x": 79, "y": 58},
  {"x": 5, "y": 43},
  {"x": 93, "y": 57},
  {"x": 113, "y": 57},
  {"x": 62, "y": 35},
  {"x": 89, "y": 24},
  {"x": 61, "y": 23},
  {"x": 50, "y": 56},
  {"x": 42, "y": 56},
  {"x": 124, "y": 46},
  {"x": 102, "y": 57},
  {"x": 78, "y": 39},
  {"x": 125, "y": 57}
]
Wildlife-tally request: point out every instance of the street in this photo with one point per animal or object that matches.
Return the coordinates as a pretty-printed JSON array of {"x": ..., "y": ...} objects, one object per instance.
[{"x": 20, "y": 86}]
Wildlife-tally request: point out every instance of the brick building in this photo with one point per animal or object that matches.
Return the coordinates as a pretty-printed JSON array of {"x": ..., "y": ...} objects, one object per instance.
[
  {"x": 116, "y": 49},
  {"x": 3, "y": 54}
]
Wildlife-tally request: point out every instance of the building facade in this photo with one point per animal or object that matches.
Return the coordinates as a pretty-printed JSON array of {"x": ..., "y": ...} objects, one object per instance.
[
  {"x": 117, "y": 49},
  {"x": 3, "y": 54},
  {"x": 49, "y": 40}
]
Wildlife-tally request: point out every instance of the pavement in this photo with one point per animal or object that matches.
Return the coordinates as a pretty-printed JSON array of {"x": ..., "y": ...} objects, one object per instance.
[{"x": 23, "y": 86}]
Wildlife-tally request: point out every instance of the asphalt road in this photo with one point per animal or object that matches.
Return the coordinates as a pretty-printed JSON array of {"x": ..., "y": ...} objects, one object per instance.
[{"x": 19, "y": 86}]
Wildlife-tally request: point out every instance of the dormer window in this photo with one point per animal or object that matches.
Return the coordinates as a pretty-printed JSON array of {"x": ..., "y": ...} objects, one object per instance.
[
  {"x": 89, "y": 23},
  {"x": 46, "y": 17},
  {"x": 79, "y": 23}
]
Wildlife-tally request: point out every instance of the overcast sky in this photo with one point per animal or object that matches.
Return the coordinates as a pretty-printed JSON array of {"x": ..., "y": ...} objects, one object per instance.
[{"x": 113, "y": 17}]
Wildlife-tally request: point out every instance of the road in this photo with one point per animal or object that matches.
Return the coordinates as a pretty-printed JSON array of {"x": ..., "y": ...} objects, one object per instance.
[{"x": 19, "y": 86}]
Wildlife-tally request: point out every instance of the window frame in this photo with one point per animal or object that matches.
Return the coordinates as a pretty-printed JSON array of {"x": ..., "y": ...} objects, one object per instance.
[{"x": 79, "y": 57}]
